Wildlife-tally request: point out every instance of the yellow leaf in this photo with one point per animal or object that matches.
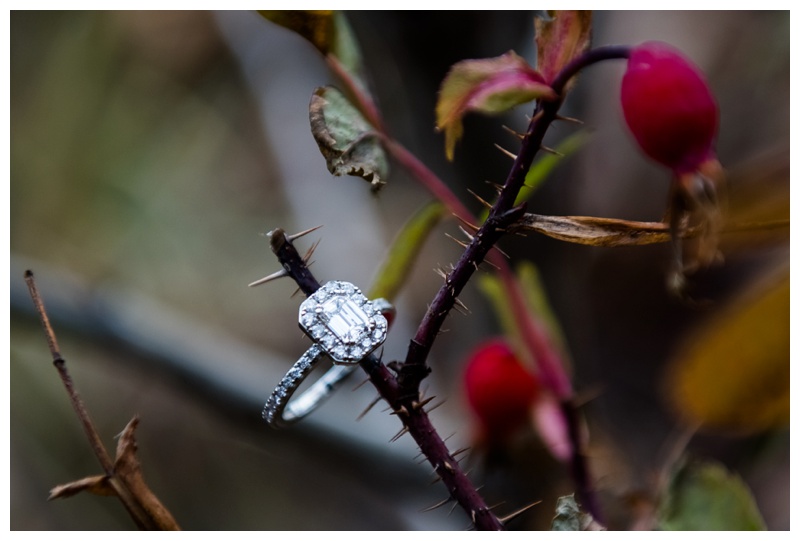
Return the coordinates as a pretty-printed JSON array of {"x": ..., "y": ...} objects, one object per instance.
[{"x": 734, "y": 373}]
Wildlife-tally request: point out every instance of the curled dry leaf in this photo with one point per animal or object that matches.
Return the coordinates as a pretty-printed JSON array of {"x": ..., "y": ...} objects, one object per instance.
[
  {"x": 594, "y": 231},
  {"x": 350, "y": 144},
  {"x": 490, "y": 85}
]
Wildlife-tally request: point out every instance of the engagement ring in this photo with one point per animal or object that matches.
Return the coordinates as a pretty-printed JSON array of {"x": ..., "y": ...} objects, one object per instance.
[{"x": 345, "y": 326}]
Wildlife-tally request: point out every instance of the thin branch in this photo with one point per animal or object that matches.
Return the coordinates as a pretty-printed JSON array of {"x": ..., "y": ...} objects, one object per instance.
[{"x": 58, "y": 361}]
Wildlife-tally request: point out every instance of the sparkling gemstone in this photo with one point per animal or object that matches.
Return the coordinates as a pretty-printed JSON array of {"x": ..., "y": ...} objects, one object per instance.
[{"x": 345, "y": 319}]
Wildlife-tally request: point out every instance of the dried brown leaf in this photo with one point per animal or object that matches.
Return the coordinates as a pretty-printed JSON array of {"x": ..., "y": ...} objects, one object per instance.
[
  {"x": 594, "y": 231},
  {"x": 128, "y": 470},
  {"x": 96, "y": 484}
]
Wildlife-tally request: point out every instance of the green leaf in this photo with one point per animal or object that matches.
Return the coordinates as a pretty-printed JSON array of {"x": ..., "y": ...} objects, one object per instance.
[
  {"x": 349, "y": 143},
  {"x": 397, "y": 265},
  {"x": 562, "y": 37},
  {"x": 707, "y": 497},
  {"x": 733, "y": 373},
  {"x": 491, "y": 85}
]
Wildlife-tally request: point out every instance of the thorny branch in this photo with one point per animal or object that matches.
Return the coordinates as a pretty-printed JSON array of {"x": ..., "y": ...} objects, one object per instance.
[
  {"x": 410, "y": 409},
  {"x": 502, "y": 216},
  {"x": 495, "y": 225}
]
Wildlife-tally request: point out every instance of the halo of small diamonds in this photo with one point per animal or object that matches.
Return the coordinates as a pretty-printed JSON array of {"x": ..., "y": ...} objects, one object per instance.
[{"x": 345, "y": 324}]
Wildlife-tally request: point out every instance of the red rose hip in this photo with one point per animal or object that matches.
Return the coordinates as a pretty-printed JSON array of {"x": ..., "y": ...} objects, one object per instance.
[
  {"x": 669, "y": 107},
  {"x": 499, "y": 389}
]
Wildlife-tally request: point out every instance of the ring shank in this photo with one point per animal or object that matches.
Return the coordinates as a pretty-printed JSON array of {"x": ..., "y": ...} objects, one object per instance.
[{"x": 280, "y": 410}]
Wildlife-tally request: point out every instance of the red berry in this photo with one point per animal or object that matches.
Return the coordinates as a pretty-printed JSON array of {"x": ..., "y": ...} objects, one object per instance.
[
  {"x": 499, "y": 389},
  {"x": 669, "y": 107}
]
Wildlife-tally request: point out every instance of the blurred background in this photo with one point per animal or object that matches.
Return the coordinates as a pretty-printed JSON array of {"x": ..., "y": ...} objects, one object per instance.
[{"x": 151, "y": 151}]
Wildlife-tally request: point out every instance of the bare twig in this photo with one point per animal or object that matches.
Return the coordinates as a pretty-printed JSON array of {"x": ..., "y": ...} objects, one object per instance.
[{"x": 122, "y": 477}]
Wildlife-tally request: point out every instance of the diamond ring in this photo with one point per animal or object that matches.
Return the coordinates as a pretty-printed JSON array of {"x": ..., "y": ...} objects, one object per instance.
[{"x": 345, "y": 326}]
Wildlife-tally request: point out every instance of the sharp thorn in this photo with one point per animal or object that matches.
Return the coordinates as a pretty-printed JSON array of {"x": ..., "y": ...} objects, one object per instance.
[
  {"x": 451, "y": 237},
  {"x": 490, "y": 264},
  {"x": 517, "y": 513},
  {"x": 437, "y": 505},
  {"x": 274, "y": 276},
  {"x": 310, "y": 252},
  {"x": 495, "y": 506},
  {"x": 435, "y": 406},
  {"x": 296, "y": 291},
  {"x": 369, "y": 407},
  {"x": 497, "y": 187},
  {"x": 468, "y": 235},
  {"x": 514, "y": 132},
  {"x": 440, "y": 272},
  {"x": 434, "y": 481},
  {"x": 401, "y": 411},
  {"x": 551, "y": 151},
  {"x": 466, "y": 223},
  {"x": 291, "y": 238},
  {"x": 501, "y": 251},
  {"x": 399, "y": 435},
  {"x": 462, "y": 305},
  {"x": 458, "y": 452},
  {"x": 506, "y": 152},
  {"x": 361, "y": 384},
  {"x": 422, "y": 403},
  {"x": 452, "y": 509},
  {"x": 569, "y": 119},
  {"x": 479, "y": 198}
]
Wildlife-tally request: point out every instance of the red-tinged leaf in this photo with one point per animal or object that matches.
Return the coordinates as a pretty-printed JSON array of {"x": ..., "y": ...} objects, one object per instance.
[
  {"x": 560, "y": 39},
  {"x": 491, "y": 85}
]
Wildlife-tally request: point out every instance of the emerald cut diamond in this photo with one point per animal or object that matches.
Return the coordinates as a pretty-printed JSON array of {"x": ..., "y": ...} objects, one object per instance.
[{"x": 343, "y": 322}]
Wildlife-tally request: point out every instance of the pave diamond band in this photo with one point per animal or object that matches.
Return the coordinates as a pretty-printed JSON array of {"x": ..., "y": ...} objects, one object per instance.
[{"x": 344, "y": 326}]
